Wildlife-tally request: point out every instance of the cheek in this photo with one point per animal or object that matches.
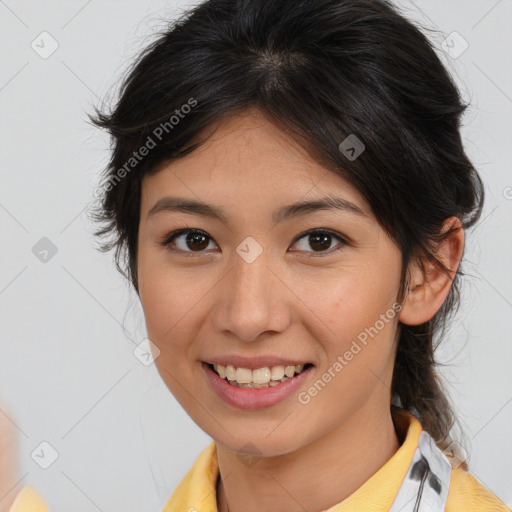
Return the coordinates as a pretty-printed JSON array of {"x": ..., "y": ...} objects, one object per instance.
[
  {"x": 174, "y": 304},
  {"x": 344, "y": 302},
  {"x": 351, "y": 314},
  {"x": 170, "y": 306},
  {"x": 167, "y": 297}
]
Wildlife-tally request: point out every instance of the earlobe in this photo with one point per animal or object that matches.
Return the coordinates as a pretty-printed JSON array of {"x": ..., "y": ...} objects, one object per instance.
[{"x": 429, "y": 285}]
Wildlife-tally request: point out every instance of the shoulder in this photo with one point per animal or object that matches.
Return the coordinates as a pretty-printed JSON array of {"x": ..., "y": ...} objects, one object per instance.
[
  {"x": 468, "y": 494},
  {"x": 28, "y": 499},
  {"x": 198, "y": 489}
]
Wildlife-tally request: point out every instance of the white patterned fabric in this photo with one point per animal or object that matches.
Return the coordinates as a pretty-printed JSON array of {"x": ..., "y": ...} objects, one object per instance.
[{"x": 425, "y": 487}]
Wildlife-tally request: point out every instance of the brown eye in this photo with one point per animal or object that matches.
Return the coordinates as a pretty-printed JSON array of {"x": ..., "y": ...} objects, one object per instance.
[
  {"x": 319, "y": 240},
  {"x": 322, "y": 242},
  {"x": 196, "y": 241},
  {"x": 187, "y": 240}
]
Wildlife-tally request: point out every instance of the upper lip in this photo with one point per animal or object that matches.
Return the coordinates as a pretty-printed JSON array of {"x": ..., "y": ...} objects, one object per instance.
[{"x": 253, "y": 363}]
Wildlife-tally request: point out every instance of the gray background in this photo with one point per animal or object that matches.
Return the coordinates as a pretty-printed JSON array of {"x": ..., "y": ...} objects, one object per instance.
[{"x": 68, "y": 374}]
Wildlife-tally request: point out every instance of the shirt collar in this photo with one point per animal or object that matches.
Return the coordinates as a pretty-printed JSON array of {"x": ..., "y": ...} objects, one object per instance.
[{"x": 197, "y": 491}]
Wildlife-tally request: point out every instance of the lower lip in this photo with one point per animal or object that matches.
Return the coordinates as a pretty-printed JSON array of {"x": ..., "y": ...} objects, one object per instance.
[{"x": 254, "y": 398}]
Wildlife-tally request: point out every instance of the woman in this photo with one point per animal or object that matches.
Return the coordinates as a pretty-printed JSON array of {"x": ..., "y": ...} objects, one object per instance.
[{"x": 288, "y": 194}]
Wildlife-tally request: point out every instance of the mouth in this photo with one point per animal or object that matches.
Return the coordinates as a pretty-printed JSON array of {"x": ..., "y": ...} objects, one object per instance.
[{"x": 260, "y": 378}]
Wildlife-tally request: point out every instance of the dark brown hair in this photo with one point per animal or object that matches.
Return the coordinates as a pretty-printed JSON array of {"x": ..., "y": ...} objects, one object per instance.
[{"x": 322, "y": 70}]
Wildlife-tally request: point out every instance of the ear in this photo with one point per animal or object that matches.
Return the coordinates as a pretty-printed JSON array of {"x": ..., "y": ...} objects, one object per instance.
[{"x": 429, "y": 286}]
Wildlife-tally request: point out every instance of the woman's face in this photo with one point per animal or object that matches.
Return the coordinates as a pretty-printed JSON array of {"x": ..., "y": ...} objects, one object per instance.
[{"x": 253, "y": 285}]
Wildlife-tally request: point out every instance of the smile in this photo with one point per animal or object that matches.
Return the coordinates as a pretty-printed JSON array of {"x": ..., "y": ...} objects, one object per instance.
[
  {"x": 260, "y": 388},
  {"x": 258, "y": 378}
]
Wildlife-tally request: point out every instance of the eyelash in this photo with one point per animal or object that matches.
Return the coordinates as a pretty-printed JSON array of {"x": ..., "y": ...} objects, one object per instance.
[{"x": 167, "y": 241}]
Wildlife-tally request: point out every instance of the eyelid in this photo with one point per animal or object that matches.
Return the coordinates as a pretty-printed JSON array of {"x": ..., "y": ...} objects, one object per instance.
[
  {"x": 166, "y": 241},
  {"x": 345, "y": 241},
  {"x": 328, "y": 231}
]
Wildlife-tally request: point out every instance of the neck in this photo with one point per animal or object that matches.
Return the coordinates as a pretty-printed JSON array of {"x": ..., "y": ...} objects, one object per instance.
[{"x": 341, "y": 462}]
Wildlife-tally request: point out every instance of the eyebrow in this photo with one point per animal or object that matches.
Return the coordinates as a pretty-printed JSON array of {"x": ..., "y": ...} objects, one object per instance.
[{"x": 177, "y": 204}]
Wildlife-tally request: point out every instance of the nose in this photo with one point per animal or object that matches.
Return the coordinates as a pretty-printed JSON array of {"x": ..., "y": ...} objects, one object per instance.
[{"x": 252, "y": 299}]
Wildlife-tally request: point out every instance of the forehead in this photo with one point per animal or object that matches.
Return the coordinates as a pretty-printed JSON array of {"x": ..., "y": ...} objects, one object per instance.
[{"x": 247, "y": 159}]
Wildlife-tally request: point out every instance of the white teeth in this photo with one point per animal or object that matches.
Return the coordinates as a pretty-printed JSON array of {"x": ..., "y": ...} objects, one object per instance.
[
  {"x": 277, "y": 372},
  {"x": 243, "y": 375},
  {"x": 289, "y": 371},
  {"x": 230, "y": 372},
  {"x": 259, "y": 378}
]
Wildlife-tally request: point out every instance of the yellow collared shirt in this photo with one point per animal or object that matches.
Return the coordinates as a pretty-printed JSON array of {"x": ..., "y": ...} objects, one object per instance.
[{"x": 197, "y": 491}]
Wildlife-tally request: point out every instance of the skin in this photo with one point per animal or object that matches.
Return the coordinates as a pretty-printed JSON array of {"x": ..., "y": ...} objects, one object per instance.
[
  {"x": 9, "y": 474},
  {"x": 295, "y": 301}
]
